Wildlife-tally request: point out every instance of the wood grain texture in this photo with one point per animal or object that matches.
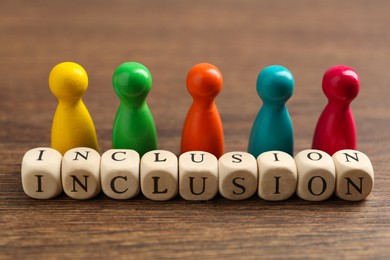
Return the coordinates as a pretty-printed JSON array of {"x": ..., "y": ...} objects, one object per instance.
[{"x": 169, "y": 37}]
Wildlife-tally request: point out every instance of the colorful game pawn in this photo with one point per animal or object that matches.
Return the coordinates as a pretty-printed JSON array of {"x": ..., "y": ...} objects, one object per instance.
[
  {"x": 202, "y": 129},
  {"x": 134, "y": 126},
  {"x": 272, "y": 128},
  {"x": 72, "y": 124},
  {"x": 336, "y": 128}
]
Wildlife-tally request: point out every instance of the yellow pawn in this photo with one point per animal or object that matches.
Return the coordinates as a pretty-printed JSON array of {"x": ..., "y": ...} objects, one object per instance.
[{"x": 72, "y": 124}]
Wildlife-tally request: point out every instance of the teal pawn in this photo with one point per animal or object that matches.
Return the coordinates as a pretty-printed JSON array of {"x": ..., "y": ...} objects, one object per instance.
[
  {"x": 134, "y": 126},
  {"x": 272, "y": 129}
]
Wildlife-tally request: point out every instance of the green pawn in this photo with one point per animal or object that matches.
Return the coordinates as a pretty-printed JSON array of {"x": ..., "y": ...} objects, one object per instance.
[{"x": 134, "y": 126}]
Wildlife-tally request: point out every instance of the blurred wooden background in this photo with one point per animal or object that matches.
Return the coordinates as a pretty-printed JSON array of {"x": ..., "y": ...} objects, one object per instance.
[{"x": 169, "y": 37}]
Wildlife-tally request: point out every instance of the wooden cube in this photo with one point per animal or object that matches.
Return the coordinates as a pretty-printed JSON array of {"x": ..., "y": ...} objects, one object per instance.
[
  {"x": 198, "y": 175},
  {"x": 119, "y": 173},
  {"x": 355, "y": 175},
  {"x": 41, "y": 173},
  {"x": 316, "y": 175},
  {"x": 277, "y": 176},
  {"x": 237, "y": 175},
  {"x": 159, "y": 175},
  {"x": 81, "y": 173}
]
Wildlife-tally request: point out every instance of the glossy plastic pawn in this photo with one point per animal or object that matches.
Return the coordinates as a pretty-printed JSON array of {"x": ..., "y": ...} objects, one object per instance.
[
  {"x": 134, "y": 126},
  {"x": 336, "y": 129},
  {"x": 272, "y": 128},
  {"x": 202, "y": 130}
]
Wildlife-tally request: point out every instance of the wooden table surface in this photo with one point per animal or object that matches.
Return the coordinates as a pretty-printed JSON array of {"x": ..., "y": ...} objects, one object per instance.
[{"x": 169, "y": 37}]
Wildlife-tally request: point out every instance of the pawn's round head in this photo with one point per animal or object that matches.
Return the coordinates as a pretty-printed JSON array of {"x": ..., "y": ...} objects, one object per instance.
[
  {"x": 68, "y": 81},
  {"x": 275, "y": 84},
  {"x": 341, "y": 84},
  {"x": 204, "y": 81},
  {"x": 132, "y": 81}
]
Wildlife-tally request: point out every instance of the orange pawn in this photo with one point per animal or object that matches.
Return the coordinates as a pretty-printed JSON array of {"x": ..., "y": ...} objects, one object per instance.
[{"x": 202, "y": 130}]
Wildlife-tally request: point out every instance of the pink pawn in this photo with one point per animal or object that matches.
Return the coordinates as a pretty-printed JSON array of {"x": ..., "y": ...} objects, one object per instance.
[{"x": 336, "y": 129}]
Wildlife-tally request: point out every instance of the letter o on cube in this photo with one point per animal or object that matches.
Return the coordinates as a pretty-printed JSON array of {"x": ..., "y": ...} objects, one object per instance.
[{"x": 316, "y": 175}]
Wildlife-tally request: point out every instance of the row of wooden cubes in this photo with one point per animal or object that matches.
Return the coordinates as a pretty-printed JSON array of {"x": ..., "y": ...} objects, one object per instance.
[{"x": 82, "y": 173}]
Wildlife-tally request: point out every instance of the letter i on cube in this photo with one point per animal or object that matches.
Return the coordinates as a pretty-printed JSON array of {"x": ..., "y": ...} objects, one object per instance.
[
  {"x": 41, "y": 173},
  {"x": 277, "y": 176}
]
